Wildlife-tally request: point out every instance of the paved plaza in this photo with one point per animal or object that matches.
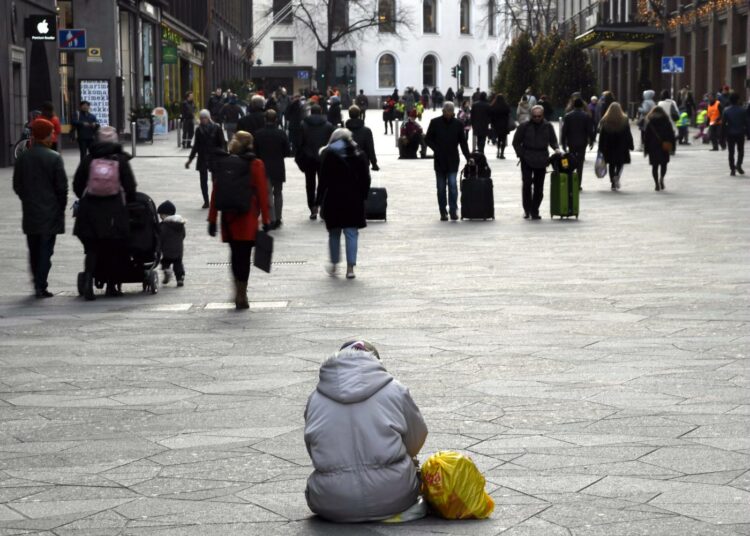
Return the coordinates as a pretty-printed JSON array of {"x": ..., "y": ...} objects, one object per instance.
[{"x": 595, "y": 370}]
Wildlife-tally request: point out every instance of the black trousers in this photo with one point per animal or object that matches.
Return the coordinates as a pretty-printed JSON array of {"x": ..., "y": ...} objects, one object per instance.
[
  {"x": 41, "y": 249},
  {"x": 240, "y": 258},
  {"x": 614, "y": 172},
  {"x": 739, "y": 143},
  {"x": 204, "y": 184},
  {"x": 533, "y": 188},
  {"x": 106, "y": 257},
  {"x": 658, "y": 171},
  {"x": 277, "y": 198},
  {"x": 311, "y": 187},
  {"x": 83, "y": 146},
  {"x": 481, "y": 142},
  {"x": 714, "y": 133},
  {"x": 579, "y": 155},
  {"x": 188, "y": 129},
  {"x": 176, "y": 264}
]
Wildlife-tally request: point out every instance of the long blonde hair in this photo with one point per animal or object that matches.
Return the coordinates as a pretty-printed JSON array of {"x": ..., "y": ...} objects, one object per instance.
[
  {"x": 615, "y": 119},
  {"x": 242, "y": 142}
]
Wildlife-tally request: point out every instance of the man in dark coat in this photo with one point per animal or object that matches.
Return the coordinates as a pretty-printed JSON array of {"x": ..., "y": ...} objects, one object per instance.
[
  {"x": 578, "y": 131},
  {"x": 255, "y": 118},
  {"x": 531, "y": 144},
  {"x": 480, "y": 120},
  {"x": 85, "y": 124},
  {"x": 362, "y": 103},
  {"x": 272, "y": 146},
  {"x": 316, "y": 131},
  {"x": 40, "y": 182},
  {"x": 294, "y": 114},
  {"x": 214, "y": 105},
  {"x": 187, "y": 114},
  {"x": 444, "y": 136},
  {"x": 362, "y": 136},
  {"x": 209, "y": 141},
  {"x": 735, "y": 126}
]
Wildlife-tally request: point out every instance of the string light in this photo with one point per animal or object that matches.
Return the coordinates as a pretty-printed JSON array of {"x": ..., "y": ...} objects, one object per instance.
[{"x": 648, "y": 11}]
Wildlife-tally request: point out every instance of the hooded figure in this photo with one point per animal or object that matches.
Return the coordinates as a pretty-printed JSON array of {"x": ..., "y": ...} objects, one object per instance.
[{"x": 362, "y": 430}]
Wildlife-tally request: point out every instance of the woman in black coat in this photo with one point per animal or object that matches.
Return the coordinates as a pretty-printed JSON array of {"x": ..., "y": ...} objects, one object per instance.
[
  {"x": 344, "y": 186},
  {"x": 658, "y": 142},
  {"x": 209, "y": 140},
  {"x": 102, "y": 223},
  {"x": 615, "y": 142},
  {"x": 500, "y": 117}
]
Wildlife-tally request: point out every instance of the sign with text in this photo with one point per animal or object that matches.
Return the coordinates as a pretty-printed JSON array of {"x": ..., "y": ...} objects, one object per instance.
[
  {"x": 97, "y": 93},
  {"x": 71, "y": 39},
  {"x": 41, "y": 27}
]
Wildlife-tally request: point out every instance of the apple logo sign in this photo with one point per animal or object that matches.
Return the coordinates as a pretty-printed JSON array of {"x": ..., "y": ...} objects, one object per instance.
[{"x": 43, "y": 27}]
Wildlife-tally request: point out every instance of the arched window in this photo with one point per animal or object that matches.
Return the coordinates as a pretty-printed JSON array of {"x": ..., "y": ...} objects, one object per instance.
[
  {"x": 387, "y": 71},
  {"x": 429, "y": 16},
  {"x": 429, "y": 71},
  {"x": 465, "y": 16},
  {"x": 491, "y": 71},
  {"x": 491, "y": 18},
  {"x": 387, "y": 16},
  {"x": 465, "y": 79}
]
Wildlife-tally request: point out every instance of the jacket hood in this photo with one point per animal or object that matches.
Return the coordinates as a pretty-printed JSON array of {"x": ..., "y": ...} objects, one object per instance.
[
  {"x": 175, "y": 219},
  {"x": 649, "y": 94},
  {"x": 315, "y": 120},
  {"x": 352, "y": 376},
  {"x": 107, "y": 148},
  {"x": 354, "y": 124}
]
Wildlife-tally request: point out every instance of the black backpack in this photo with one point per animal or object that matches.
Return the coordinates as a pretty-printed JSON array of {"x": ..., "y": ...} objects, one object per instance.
[
  {"x": 480, "y": 169},
  {"x": 233, "y": 191}
]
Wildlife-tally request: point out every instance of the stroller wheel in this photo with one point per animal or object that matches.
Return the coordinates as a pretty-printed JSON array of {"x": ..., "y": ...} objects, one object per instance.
[{"x": 81, "y": 283}]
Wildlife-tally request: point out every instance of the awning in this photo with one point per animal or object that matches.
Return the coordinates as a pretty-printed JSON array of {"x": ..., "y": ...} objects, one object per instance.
[{"x": 626, "y": 37}]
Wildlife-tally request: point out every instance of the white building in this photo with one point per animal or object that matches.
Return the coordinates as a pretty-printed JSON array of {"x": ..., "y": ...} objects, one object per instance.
[{"x": 440, "y": 34}]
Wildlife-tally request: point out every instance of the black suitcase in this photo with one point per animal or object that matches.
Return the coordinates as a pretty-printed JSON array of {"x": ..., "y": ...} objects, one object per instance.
[
  {"x": 376, "y": 206},
  {"x": 477, "y": 196}
]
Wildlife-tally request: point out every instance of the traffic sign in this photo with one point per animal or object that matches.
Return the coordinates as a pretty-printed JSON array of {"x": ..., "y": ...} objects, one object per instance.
[
  {"x": 71, "y": 39},
  {"x": 672, "y": 64}
]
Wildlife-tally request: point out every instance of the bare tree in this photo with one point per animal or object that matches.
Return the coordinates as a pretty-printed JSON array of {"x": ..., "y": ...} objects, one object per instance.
[
  {"x": 333, "y": 23},
  {"x": 535, "y": 17}
]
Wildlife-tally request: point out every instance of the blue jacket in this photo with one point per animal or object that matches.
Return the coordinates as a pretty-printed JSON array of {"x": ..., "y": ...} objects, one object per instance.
[{"x": 85, "y": 132}]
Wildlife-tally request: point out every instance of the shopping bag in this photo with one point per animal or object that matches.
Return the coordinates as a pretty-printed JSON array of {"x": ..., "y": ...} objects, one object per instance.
[
  {"x": 454, "y": 487},
  {"x": 263, "y": 251},
  {"x": 600, "y": 167}
]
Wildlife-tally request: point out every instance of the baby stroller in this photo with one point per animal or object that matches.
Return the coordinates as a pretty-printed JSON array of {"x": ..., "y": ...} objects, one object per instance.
[{"x": 144, "y": 250}]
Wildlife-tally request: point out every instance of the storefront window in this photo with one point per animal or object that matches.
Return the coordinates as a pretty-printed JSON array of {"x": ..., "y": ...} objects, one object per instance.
[{"x": 147, "y": 48}]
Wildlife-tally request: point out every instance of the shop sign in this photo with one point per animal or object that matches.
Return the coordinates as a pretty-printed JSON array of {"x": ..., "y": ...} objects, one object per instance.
[
  {"x": 169, "y": 55},
  {"x": 97, "y": 93},
  {"x": 168, "y": 34},
  {"x": 41, "y": 28},
  {"x": 161, "y": 121}
]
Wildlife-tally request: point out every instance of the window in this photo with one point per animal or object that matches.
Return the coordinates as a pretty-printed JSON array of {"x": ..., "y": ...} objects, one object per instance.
[
  {"x": 340, "y": 15},
  {"x": 278, "y": 8},
  {"x": 491, "y": 18},
  {"x": 465, "y": 79},
  {"x": 465, "y": 17},
  {"x": 283, "y": 51},
  {"x": 429, "y": 71},
  {"x": 491, "y": 71},
  {"x": 387, "y": 16},
  {"x": 387, "y": 71},
  {"x": 429, "y": 12}
]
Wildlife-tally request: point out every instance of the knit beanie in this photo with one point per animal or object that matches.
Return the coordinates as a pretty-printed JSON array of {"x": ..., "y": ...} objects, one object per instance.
[{"x": 41, "y": 129}]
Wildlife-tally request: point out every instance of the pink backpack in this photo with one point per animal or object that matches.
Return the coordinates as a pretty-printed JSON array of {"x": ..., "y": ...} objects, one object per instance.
[{"x": 104, "y": 178}]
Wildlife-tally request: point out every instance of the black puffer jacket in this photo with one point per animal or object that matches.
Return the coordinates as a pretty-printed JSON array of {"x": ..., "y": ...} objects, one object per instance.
[
  {"x": 316, "y": 131},
  {"x": 172, "y": 233},
  {"x": 209, "y": 141},
  {"x": 533, "y": 141},
  {"x": 616, "y": 144},
  {"x": 344, "y": 186},
  {"x": 362, "y": 136},
  {"x": 103, "y": 217},
  {"x": 252, "y": 122}
]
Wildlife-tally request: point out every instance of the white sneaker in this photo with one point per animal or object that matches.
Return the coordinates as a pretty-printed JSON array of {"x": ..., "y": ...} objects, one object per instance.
[{"x": 350, "y": 272}]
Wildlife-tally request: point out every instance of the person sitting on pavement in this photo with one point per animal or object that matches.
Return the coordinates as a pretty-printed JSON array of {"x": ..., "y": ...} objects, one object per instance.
[
  {"x": 172, "y": 235},
  {"x": 362, "y": 432},
  {"x": 411, "y": 138},
  {"x": 40, "y": 182},
  {"x": 362, "y": 135}
]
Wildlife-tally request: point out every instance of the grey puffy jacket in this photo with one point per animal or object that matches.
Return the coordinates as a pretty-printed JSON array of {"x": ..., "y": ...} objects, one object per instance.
[{"x": 362, "y": 429}]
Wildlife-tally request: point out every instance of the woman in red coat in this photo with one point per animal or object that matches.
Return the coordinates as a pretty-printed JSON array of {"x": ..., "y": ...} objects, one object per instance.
[{"x": 240, "y": 228}]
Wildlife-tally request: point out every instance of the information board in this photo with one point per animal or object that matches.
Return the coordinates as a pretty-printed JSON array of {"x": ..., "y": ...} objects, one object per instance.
[{"x": 97, "y": 93}]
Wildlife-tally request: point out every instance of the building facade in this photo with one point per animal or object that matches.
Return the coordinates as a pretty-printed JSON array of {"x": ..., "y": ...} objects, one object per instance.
[
  {"x": 438, "y": 36},
  {"x": 28, "y": 66},
  {"x": 627, "y": 40}
]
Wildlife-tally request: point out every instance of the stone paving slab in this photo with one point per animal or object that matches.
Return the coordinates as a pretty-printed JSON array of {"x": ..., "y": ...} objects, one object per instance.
[{"x": 596, "y": 370}]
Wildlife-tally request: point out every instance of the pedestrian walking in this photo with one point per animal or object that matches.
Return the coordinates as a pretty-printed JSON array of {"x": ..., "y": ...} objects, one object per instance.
[
  {"x": 362, "y": 136},
  {"x": 411, "y": 138},
  {"x": 592, "y": 107},
  {"x": 659, "y": 140},
  {"x": 363, "y": 103},
  {"x": 686, "y": 101},
  {"x": 272, "y": 147},
  {"x": 48, "y": 113},
  {"x": 294, "y": 115},
  {"x": 362, "y": 431},
  {"x": 735, "y": 127},
  {"x": 389, "y": 114},
  {"x": 615, "y": 142},
  {"x": 670, "y": 108},
  {"x": 683, "y": 128},
  {"x": 480, "y": 120},
  {"x": 334, "y": 112},
  {"x": 187, "y": 116},
  {"x": 209, "y": 141},
  {"x": 231, "y": 113},
  {"x": 449, "y": 95},
  {"x": 40, "y": 183},
  {"x": 644, "y": 109},
  {"x": 256, "y": 116},
  {"x": 531, "y": 143},
  {"x": 578, "y": 131},
  {"x": 172, "y": 239},
  {"x": 316, "y": 131},
  {"x": 344, "y": 186},
  {"x": 523, "y": 110},
  {"x": 215, "y": 104},
  {"x": 548, "y": 109},
  {"x": 102, "y": 220},
  {"x": 445, "y": 135},
  {"x": 501, "y": 118},
  {"x": 700, "y": 121},
  {"x": 239, "y": 229},
  {"x": 282, "y": 99},
  {"x": 714, "y": 124},
  {"x": 86, "y": 125},
  {"x": 530, "y": 98},
  {"x": 464, "y": 115},
  {"x": 602, "y": 105}
]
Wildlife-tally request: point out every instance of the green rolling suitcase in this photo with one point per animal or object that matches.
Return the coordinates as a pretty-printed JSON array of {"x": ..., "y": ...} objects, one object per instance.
[{"x": 564, "y": 194}]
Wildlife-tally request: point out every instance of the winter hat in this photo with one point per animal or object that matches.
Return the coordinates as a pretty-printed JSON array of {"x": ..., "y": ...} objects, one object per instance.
[
  {"x": 363, "y": 346},
  {"x": 41, "y": 129},
  {"x": 167, "y": 208},
  {"x": 412, "y": 113}
]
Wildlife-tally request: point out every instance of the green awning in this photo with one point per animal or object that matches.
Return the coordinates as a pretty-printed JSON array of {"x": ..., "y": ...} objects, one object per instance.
[{"x": 627, "y": 37}]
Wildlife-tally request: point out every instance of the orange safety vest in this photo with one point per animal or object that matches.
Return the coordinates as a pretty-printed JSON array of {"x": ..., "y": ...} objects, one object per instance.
[{"x": 714, "y": 114}]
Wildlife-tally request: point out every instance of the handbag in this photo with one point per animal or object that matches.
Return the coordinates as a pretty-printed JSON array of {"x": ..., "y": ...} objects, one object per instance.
[
  {"x": 600, "y": 166},
  {"x": 263, "y": 251}
]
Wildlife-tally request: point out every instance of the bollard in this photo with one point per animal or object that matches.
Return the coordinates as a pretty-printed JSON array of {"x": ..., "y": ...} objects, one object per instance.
[
  {"x": 397, "y": 130},
  {"x": 133, "y": 127},
  {"x": 179, "y": 134},
  {"x": 559, "y": 132}
]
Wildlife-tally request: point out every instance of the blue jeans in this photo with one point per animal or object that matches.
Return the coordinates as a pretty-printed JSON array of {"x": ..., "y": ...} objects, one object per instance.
[
  {"x": 334, "y": 244},
  {"x": 449, "y": 180}
]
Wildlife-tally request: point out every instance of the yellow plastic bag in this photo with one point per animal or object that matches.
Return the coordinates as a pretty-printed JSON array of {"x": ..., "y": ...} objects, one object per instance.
[{"x": 454, "y": 487}]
